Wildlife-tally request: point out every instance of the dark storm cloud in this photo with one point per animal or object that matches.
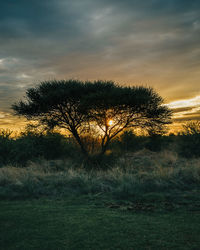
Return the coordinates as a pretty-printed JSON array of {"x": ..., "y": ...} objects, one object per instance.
[
  {"x": 36, "y": 26},
  {"x": 43, "y": 18},
  {"x": 53, "y": 27},
  {"x": 154, "y": 41}
]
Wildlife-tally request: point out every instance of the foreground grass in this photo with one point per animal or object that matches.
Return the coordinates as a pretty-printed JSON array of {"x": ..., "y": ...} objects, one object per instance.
[{"x": 80, "y": 223}]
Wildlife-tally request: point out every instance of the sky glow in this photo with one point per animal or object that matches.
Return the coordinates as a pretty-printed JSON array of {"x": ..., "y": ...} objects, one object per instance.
[{"x": 132, "y": 42}]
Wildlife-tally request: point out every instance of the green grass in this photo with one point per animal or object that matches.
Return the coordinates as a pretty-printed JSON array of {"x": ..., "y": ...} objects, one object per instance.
[{"x": 80, "y": 223}]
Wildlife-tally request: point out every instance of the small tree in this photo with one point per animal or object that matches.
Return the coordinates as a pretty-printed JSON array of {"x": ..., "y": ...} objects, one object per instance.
[{"x": 100, "y": 108}]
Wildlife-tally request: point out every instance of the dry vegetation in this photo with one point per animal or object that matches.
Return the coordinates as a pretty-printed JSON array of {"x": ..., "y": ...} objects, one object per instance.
[
  {"x": 136, "y": 168},
  {"x": 137, "y": 176}
]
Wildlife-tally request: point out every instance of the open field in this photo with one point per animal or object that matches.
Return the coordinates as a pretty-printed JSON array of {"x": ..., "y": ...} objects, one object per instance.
[{"x": 81, "y": 224}]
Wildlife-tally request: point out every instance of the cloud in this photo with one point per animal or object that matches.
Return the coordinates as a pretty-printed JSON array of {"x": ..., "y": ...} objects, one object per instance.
[
  {"x": 154, "y": 42},
  {"x": 187, "y": 109},
  {"x": 193, "y": 102},
  {"x": 180, "y": 110}
]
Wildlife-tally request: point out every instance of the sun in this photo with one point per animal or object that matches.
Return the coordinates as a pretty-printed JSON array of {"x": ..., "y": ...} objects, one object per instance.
[{"x": 110, "y": 122}]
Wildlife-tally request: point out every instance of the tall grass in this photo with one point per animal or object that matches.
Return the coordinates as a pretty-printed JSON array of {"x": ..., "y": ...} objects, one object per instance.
[{"x": 132, "y": 177}]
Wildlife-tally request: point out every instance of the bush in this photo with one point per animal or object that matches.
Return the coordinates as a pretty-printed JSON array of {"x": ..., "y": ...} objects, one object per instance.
[
  {"x": 157, "y": 143},
  {"x": 128, "y": 142},
  {"x": 5, "y": 146},
  {"x": 189, "y": 142},
  {"x": 34, "y": 145}
]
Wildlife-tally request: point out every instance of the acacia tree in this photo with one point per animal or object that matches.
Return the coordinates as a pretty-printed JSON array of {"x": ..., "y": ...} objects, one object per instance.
[{"x": 100, "y": 107}]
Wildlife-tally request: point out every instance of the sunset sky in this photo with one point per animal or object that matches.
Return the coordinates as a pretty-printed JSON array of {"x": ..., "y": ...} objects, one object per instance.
[{"x": 133, "y": 42}]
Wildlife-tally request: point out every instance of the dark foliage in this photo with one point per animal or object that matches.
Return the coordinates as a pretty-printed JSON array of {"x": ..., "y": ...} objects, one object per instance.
[
  {"x": 32, "y": 146},
  {"x": 5, "y": 146},
  {"x": 128, "y": 142},
  {"x": 189, "y": 142},
  {"x": 158, "y": 143}
]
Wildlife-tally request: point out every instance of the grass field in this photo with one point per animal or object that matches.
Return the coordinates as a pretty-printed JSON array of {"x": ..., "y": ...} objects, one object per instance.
[
  {"x": 145, "y": 201},
  {"x": 77, "y": 223}
]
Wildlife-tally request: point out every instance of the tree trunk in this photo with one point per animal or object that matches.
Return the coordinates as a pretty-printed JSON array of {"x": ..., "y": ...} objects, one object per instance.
[
  {"x": 104, "y": 147},
  {"x": 78, "y": 139}
]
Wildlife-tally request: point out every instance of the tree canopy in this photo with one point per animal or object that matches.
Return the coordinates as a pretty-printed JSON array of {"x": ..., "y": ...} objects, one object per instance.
[{"x": 100, "y": 108}]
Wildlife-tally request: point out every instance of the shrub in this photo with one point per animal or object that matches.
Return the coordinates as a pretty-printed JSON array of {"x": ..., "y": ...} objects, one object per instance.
[
  {"x": 34, "y": 145},
  {"x": 5, "y": 146},
  {"x": 128, "y": 142},
  {"x": 189, "y": 142}
]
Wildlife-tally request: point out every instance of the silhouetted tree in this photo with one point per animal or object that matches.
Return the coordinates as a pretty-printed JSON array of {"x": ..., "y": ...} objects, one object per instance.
[{"x": 100, "y": 108}]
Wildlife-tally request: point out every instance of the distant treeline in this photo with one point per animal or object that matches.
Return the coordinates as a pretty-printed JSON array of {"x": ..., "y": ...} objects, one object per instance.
[{"x": 35, "y": 145}]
